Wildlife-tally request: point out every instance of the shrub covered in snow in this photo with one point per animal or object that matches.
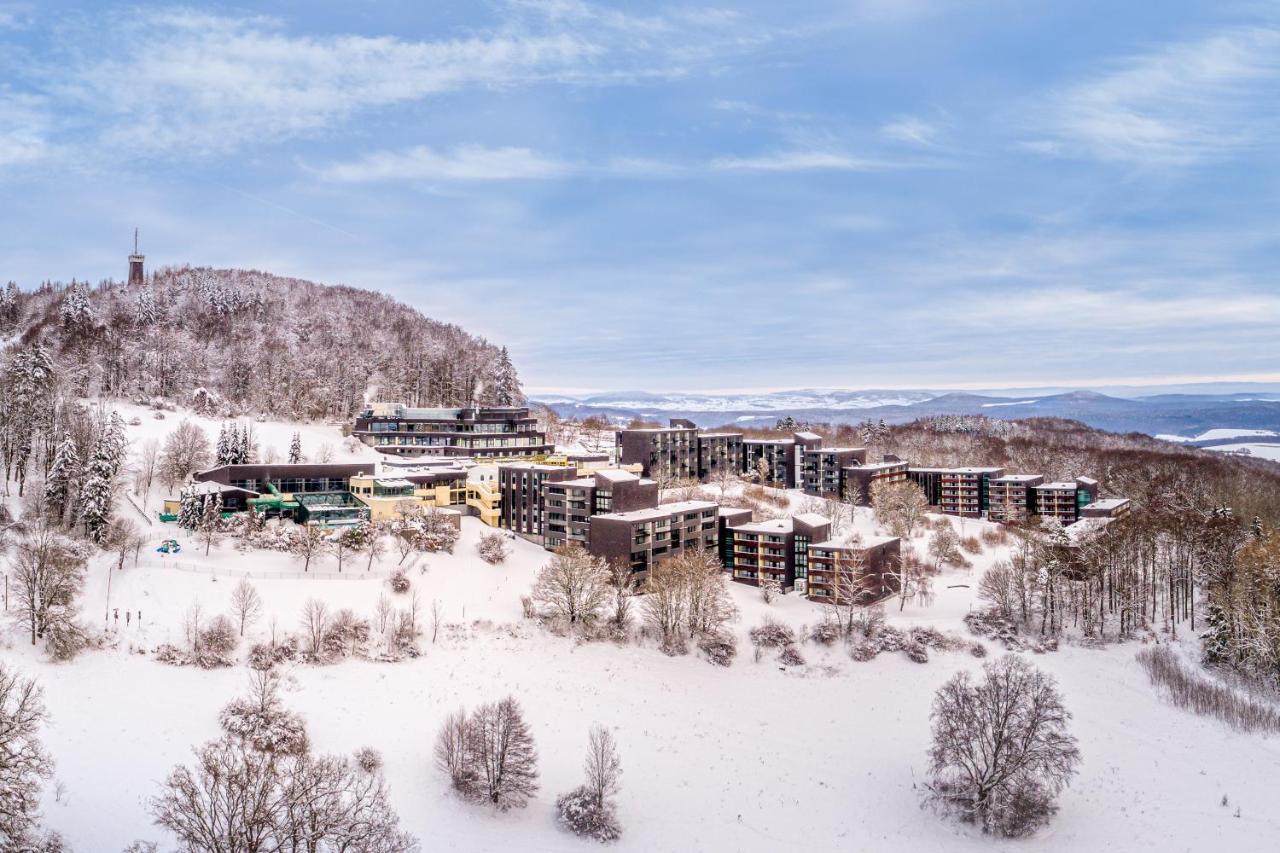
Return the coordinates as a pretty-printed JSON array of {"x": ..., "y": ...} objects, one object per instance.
[
  {"x": 825, "y": 633},
  {"x": 772, "y": 633},
  {"x": 399, "y": 583},
  {"x": 493, "y": 548},
  {"x": 262, "y": 722},
  {"x": 791, "y": 656},
  {"x": 720, "y": 647},
  {"x": 578, "y": 812}
]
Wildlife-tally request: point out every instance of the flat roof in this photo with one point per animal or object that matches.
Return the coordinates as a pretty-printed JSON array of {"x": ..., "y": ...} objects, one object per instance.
[
  {"x": 1059, "y": 486},
  {"x": 657, "y": 512},
  {"x": 834, "y": 449},
  {"x": 1019, "y": 478},
  {"x": 1109, "y": 503},
  {"x": 1087, "y": 481},
  {"x": 719, "y": 435},
  {"x": 615, "y": 476},
  {"x": 392, "y": 482},
  {"x": 783, "y": 525},
  {"x": 768, "y": 441},
  {"x": 865, "y": 543},
  {"x": 875, "y": 466}
]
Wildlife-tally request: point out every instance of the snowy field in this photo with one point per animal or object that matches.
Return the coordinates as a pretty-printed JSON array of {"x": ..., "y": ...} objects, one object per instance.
[
  {"x": 1219, "y": 434},
  {"x": 756, "y": 757},
  {"x": 1259, "y": 449}
]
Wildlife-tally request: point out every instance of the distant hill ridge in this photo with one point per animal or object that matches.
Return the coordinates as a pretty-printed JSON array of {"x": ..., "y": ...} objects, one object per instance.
[{"x": 1176, "y": 414}]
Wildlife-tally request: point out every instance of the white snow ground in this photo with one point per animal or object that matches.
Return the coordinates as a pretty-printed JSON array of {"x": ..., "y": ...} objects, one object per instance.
[
  {"x": 751, "y": 758},
  {"x": 1258, "y": 449},
  {"x": 1220, "y": 433}
]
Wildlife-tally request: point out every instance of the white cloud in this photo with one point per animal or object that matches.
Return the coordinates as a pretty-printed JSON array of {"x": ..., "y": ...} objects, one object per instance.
[
  {"x": 1179, "y": 105},
  {"x": 910, "y": 129},
  {"x": 24, "y": 125},
  {"x": 463, "y": 163},
  {"x": 801, "y": 161}
]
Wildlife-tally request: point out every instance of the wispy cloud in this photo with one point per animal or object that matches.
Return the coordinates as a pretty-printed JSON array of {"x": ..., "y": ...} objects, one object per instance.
[
  {"x": 1184, "y": 103},
  {"x": 910, "y": 129},
  {"x": 464, "y": 163},
  {"x": 24, "y": 124},
  {"x": 802, "y": 161}
]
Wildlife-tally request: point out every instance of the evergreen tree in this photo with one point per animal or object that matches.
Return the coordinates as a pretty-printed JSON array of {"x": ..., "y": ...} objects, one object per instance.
[
  {"x": 190, "y": 508},
  {"x": 98, "y": 493},
  {"x": 57, "y": 486},
  {"x": 75, "y": 312},
  {"x": 504, "y": 381},
  {"x": 295, "y": 449},
  {"x": 242, "y": 446},
  {"x": 225, "y": 451}
]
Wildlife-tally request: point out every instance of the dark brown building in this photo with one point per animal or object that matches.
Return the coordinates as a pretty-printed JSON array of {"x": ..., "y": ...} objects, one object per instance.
[
  {"x": 568, "y": 506},
  {"x": 1065, "y": 500},
  {"x": 664, "y": 453},
  {"x": 520, "y": 486},
  {"x": 719, "y": 452},
  {"x": 400, "y": 430},
  {"x": 642, "y": 537},
  {"x": 777, "y": 549},
  {"x": 781, "y": 456},
  {"x": 869, "y": 570},
  {"x": 730, "y": 516},
  {"x": 1013, "y": 497},
  {"x": 966, "y": 491},
  {"x": 822, "y": 469}
]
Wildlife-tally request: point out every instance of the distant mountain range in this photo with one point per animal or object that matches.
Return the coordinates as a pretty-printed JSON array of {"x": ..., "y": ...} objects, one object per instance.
[{"x": 1179, "y": 414}]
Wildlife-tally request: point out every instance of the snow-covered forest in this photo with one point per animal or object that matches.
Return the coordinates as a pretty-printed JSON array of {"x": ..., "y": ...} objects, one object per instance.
[{"x": 244, "y": 341}]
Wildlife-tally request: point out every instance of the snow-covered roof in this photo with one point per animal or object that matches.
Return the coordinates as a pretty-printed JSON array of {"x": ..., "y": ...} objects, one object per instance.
[
  {"x": 393, "y": 483},
  {"x": 812, "y": 518},
  {"x": 1088, "y": 481},
  {"x": 768, "y": 441},
  {"x": 616, "y": 476},
  {"x": 861, "y": 545},
  {"x": 836, "y": 449},
  {"x": 208, "y": 487},
  {"x": 1109, "y": 503},
  {"x": 1019, "y": 478},
  {"x": 874, "y": 466},
  {"x": 809, "y": 436},
  {"x": 1057, "y": 486},
  {"x": 688, "y": 506},
  {"x": 657, "y": 512},
  {"x": 720, "y": 435}
]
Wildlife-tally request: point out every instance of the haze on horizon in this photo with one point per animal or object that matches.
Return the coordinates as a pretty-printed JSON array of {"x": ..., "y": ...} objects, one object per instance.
[{"x": 683, "y": 197}]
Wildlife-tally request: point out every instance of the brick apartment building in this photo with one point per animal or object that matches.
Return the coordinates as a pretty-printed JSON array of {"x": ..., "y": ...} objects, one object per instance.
[
  {"x": 520, "y": 487},
  {"x": 1013, "y": 497},
  {"x": 1065, "y": 500},
  {"x": 644, "y": 536},
  {"x": 664, "y": 453},
  {"x": 822, "y": 469},
  {"x": 966, "y": 491},
  {"x": 569, "y": 506},
  {"x": 731, "y": 516},
  {"x": 871, "y": 566},
  {"x": 400, "y": 430},
  {"x": 782, "y": 457},
  {"x": 776, "y": 550},
  {"x": 719, "y": 452}
]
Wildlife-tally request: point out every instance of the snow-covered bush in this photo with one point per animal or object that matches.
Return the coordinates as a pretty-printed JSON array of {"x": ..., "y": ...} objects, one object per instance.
[
  {"x": 917, "y": 652},
  {"x": 578, "y": 812},
  {"x": 493, "y": 548},
  {"x": 347, "y": 636},
  {"x": 772, "y": 633},
  {"x": 769, "y": 590},
  {"x": 369, "y": 759},
  {"x": 791, "y": 656},
  {"x": 264, "y": 656},
  {"x": 64, "y": 639},
  {"x": 399, "y": 583},
  {"x": 720, "y": 647},
  {"x": 261, "y": 721},
  {"x": 863, "y": 650},
  {"x": 825, "y": 633}
]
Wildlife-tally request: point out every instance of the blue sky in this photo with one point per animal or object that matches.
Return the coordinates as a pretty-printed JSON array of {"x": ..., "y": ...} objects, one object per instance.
[{"x": 686, "y": 196}]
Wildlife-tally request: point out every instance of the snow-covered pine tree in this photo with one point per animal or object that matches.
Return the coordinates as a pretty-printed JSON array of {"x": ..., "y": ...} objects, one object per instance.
[
  {"x": 243, "y": 443},
  {"x": 57, "y": 485},
  {"x": 295, "y": 449},
  {"x": 504, "y": 382},
  {"x": 146, "y": 312},
  {"x": 190, "y": 508},
  {"x": 225, "y": 445},
  {"x": 76, "y": 313},
  {"x": 98, "y": 493}
]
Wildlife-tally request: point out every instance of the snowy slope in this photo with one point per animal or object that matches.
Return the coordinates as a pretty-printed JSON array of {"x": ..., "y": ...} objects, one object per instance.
[{"x": 750, "y": 758}]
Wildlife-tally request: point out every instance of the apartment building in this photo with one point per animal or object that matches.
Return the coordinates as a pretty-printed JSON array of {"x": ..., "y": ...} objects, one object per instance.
[
  {"x": 1111, "y": 508},
  {"x": 865, "y": 571},
  {"x": 719, "y": 452},
  {"x": 966, "y": 491},
  {"x": 666, "y": 453},
  {"x": 1012, "y": 497},
  {"x": 930, "y": 482},
  {"x": 400, "y": 430},
  {"x": 520, "y": 490},
  {"x": 858, "y": 479},
  {"x": 781, "y": 456},
  {"x": 730, "y": 516},
  {"x": 822, "y": 469},
  {"x": 776, "y": 550},
  {"x": 1065, "y": 500},
  {"x": 642, "y": 537},
  {"x": 568, "y": 506}
]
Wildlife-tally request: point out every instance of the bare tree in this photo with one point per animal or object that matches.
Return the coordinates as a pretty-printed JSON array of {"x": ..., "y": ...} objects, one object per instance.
[
  {"x": 437, "y": 613},
  {"x": 144, "y": 473},
  {"x": 899, "y": 506},
  {"x": 452, "y": 755},
  {"x": 686, "y": 597},
  {"x": 47, "y": 575},
  {"x": 383, "y": 612},
  {"x": 185, "y": 451},
  {"x": 315, "y": 624},
  {"x": 944, "y": 547},
  {"x": 622, "y": 591},
  {"x": 324, "y": 453},
  {"x": 503, "y": 750},
  {"x": 588, "y": 810},
  {"x": 375, "y": 546},
  {"x": 309, "y": 542},
  {"x": 1001, "y": 751},
  {"x": 573, "y": 586},
  {"x": 24, "y": 764},
  {"x": 246, "y": 604}
]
